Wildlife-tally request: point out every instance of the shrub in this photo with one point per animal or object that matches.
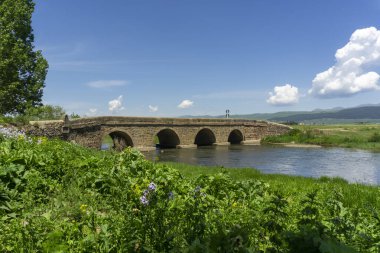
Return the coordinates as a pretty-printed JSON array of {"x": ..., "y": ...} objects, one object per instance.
[
  {"x": 56, "y": 196},
  {"x": 375, "y": 137}
]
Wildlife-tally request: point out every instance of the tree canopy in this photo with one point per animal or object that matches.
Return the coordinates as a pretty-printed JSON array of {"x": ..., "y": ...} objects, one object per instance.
[{"x": 22, "y": 69}]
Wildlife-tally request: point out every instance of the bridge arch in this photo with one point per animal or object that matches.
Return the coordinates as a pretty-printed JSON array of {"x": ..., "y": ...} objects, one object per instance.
[
  {"x": 120, "y": 140},
  {"x": 205, "y": 137},
  {"x": 235, "y": 137},
  {"x": 167, "y": 138}
]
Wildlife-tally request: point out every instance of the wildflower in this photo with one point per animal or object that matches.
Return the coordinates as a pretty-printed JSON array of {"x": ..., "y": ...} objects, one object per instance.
[
  {"x": 198, "y": 192},
  {"x": 137, "y": 247},
  {"x": 25, "y": 223},
  {"x": 171, "y": 195},
  {"x": 11, "y": 133},
  {"x": 152, "y": 186},
  {"x": 144, "y": 200}
]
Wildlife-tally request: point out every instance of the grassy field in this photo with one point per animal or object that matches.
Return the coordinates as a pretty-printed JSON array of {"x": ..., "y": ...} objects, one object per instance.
[
  {"x": 354, "y": 194},
  {"x": 347, "y": 136}
]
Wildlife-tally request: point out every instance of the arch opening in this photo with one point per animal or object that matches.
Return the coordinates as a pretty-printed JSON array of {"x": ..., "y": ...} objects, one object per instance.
[
  {"x": 166, "y": 138},
  {"x": 205, "y": 137},
  {"x": 116, "y": 140},
  {"x": 235, "y": 137}
]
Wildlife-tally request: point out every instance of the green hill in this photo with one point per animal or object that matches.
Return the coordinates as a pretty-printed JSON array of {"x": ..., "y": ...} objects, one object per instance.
[{"x": 365, "y": 113}]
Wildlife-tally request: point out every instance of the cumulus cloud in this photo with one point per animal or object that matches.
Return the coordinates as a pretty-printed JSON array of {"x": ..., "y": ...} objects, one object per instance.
[
  {"x": 153, "y": 108},
  {"x": 91, "y": 112},
  {"x": 116, "y": 104},
  {"x": 283, "y": 95},
  {"x": 186, "y": 104},
  {"x": 107, "y": 83},
  {"x": 351, "y": 73}
]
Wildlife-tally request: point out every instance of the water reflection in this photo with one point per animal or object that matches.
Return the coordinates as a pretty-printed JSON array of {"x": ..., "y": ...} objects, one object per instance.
[{"x": 352, "y": 165}]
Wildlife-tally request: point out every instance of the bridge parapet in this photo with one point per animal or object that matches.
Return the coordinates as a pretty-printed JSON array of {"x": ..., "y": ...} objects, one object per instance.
[{"x": 142, "y": 132}]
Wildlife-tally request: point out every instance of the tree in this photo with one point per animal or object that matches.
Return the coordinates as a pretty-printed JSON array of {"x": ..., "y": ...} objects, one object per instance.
[
  {"x": 22, "y": 70},
  {"x": 45, "y": 112}
]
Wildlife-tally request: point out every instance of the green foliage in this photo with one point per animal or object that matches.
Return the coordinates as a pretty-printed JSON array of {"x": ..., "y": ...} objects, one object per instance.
[
  {"x": 59, "y": 197},
  {"x": 348, "y": 136},
  {"x": 44, "y": 112},
  {"x": 375, "y": 137},
  {"x": 22, "y": 70},
  {"x": 74, "y": 116}
]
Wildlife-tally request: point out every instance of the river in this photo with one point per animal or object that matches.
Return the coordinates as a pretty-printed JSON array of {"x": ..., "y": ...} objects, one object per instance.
[{"x": 353, "y": 165}]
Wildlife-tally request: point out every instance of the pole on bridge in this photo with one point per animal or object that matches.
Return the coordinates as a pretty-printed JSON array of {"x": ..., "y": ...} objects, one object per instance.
[{"x": 227, "y": 113}]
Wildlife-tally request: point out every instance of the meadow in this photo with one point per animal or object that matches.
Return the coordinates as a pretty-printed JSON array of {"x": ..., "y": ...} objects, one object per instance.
[
  {"x": 60, "y": 197},
  {"x": 360, "y": 136}
]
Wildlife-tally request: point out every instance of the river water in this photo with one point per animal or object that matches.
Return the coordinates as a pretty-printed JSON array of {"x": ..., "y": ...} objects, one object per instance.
[{"x": 353, "y": 165}]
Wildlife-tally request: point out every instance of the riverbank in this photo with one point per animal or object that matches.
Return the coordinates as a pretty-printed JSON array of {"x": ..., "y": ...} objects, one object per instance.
[
  {"x": 292, "y": 186},
  {"x": 359, "y": 136},
  {"x": 297, "y": 145},
  {"x": 58, "y": 196}
]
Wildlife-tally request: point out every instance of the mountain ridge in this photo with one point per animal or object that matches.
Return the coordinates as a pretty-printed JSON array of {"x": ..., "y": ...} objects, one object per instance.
[{"x": 361, "y": 113}]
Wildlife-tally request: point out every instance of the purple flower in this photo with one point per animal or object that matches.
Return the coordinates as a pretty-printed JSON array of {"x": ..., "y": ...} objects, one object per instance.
[
  {"x": 152, "y": 186},
  {"x": 144, "y": 200},
  {"x": 171, "y": 195},
  {"x": 12, "y": 133}
]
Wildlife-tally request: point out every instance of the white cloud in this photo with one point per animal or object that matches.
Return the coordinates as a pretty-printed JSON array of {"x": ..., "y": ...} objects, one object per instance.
[
  {"x": 91, "y": 112},
  {"x": 107, "y": 83},
  {"x": 283, "y": 95},
  {"x": 116, "y": 104},
  {"x": 351, "y": 73},
  {"x": 186, "y": 104},
  {"x": 153, "y": 108}
]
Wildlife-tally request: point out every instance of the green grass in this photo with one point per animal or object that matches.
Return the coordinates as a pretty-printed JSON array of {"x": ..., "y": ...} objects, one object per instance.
[
  {"x": 56, "y": 196},
  {"x": 346, "y": 136},
  {"x": 355, "y": 195}
]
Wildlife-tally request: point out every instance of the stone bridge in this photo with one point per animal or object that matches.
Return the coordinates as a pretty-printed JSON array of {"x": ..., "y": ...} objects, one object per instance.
[{"x": 144, "y": 132}]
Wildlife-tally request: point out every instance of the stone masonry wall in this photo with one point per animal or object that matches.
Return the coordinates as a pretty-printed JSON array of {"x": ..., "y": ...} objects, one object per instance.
[
  {"x": 89, "y": 132},
  {"x": 50, "y": 129}
]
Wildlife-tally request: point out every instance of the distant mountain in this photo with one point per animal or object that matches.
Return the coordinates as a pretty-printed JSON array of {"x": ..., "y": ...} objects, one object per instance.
[
  {"x": 362, "y": 113},
  {"x": 285, "y": 114},
  {"x": 356, "y": 113},
  {"x": 198, "y": 116}
]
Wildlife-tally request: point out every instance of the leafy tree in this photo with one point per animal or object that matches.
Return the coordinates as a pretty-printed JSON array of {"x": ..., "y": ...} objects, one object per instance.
[
  {"x": 22, "y": 70},
  {"x": 45, "y": 112}
]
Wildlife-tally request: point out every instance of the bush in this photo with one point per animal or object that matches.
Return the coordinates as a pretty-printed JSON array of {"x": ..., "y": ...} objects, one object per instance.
[
  {"x": 374, "y": 138},
  {"x": 45, "y": 112},
  {"x": 56, "y": 196}
]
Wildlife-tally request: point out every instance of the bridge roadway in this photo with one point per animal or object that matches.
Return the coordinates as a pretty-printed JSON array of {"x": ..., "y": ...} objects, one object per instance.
[{"x": 144, "y": 132}]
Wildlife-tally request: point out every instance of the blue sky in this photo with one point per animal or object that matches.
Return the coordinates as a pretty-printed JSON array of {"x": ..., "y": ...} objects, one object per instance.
[{"x": 197, "y": 57}]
